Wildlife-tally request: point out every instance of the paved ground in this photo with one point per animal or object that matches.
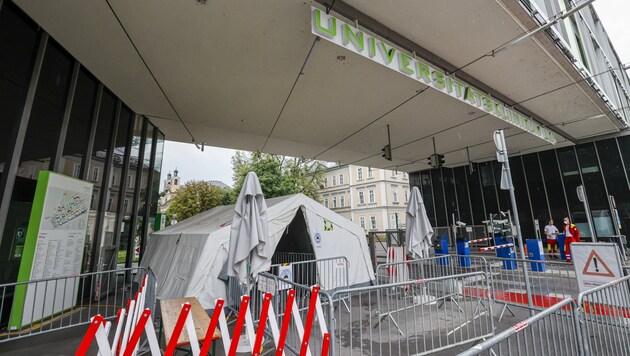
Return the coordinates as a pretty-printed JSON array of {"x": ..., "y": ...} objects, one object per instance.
[{"x": 425, "y": 327}]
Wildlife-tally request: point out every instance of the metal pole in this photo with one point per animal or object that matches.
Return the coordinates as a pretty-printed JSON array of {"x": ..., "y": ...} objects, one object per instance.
[{"x": 517, "y": 223}]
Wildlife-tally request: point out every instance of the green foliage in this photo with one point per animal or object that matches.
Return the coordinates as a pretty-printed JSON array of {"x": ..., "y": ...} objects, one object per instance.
[
  {"x": 278, "y": 175},
  {"x": 195, "y": 197}
]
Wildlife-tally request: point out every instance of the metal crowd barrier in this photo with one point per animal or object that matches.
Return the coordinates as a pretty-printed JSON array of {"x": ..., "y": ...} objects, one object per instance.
[
  {"x": 289, "y": 257},
  {"x": 604, "y": 314},
  {"x": 328, "y": 273},
  {"x": 279, "y": 288},
  {"x": 438, "y": 266},
  {"x": 550, "y": 282},
  {"x": 414, "y": 317},
  {"x": 44, "y": 305},
  {"x": 552, "y": 331}
]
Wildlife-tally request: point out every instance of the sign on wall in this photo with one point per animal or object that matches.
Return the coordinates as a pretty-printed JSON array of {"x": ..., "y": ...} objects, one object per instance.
[
  {"x": 353, "y": 39},
  {"x": 53, "y": 247}
]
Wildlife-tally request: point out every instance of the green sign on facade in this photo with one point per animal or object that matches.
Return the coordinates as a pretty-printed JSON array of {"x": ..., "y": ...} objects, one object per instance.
[{"x": 345, "y": 35}]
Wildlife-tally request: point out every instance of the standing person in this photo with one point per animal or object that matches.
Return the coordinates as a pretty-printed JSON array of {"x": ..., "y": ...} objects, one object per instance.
[
  {"x": 552, "y": 237},
  {"x": 572, "y": 235}
]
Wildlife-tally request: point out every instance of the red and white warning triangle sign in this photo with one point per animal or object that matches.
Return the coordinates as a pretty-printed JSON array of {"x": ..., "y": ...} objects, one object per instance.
[{"x": 595, "y": 266}]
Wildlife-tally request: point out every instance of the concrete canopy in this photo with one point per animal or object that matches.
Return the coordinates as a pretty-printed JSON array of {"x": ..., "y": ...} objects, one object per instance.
[{"x": 227, "y": 73}]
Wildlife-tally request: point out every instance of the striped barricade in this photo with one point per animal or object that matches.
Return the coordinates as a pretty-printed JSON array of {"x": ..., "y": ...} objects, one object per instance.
[
  {"x": 130, "y": 323},
  {"x": 130, "y": 326},
  {"x": 480, "y": 249},
  {"x": 480, "y": 240}
]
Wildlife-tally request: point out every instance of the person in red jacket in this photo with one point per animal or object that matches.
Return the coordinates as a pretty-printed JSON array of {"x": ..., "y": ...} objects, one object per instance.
[{"x": 572, "y": 235}]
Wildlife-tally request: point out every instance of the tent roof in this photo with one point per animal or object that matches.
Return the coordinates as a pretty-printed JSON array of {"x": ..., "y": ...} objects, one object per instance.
[{"x": 221, "y": 216}]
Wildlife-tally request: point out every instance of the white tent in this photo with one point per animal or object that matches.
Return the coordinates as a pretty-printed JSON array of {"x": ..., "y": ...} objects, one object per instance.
[{"x": 188, "y": 257}]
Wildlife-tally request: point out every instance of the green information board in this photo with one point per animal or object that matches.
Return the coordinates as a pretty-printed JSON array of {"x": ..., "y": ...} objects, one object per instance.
[{"x": 52, "y": 247}]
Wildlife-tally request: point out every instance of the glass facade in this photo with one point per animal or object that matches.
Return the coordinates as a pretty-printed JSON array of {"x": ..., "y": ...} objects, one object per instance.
[
  {"x": 55, "y": 115},
  {"x": 545, "y": 187}
]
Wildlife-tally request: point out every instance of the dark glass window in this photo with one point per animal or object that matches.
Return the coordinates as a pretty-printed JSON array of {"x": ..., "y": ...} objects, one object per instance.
[
  {"x": 488, "y": 188},
  {"x": 47, "y": 112},
  {"x": 144, "y": 204},
  {"x": 616, "y": 181},
  {"x": 463, "y": 201},
  {"x": 571, "y": 177},
  {"x": 427, "y": 195},
  {"x": 535, "y": 184},
  {"x": 624, "y": 147},
  {"x": 555, "y": 193},
  {"x": 96, "y": 170},
  {"x": 79, "y": 126},
  {"x": 476, "y": 196},
  {"x": 120, "y": 147},
  {"x": 438, "y": 198},
  {"x": 18, "y": 44},
  {"x": 155, "y": 188},
  {"x": 450, "y": 196},
  {"x": 595, "y": 190},
  {"x": 522, "y": 200},
  {"x": 134, "y": 173}
]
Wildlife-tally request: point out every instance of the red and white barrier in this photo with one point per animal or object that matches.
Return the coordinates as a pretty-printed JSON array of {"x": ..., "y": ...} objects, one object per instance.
[
  {"x": 137, "y": 321},
  {"x": 267, "y": 316},
  {"x": 480, "y": 240},
  {"x": 129, "y": 328},
  {"x": 495, "y": 247}
]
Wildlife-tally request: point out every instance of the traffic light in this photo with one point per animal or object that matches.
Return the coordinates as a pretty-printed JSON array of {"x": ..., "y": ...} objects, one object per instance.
[
  {"x": 387, "y": 152},
  {"x": 440, "y": 160},
  {"x": 436, "y": 160}
]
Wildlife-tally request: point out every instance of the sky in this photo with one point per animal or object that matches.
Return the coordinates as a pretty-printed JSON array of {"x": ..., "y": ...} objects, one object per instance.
[{"x": 215, "y": 163}]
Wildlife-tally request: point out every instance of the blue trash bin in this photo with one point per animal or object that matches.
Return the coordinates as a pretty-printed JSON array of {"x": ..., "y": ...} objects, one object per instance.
[
  {"x": 536, "y": 252},
  {"x": 506, "y": 252},
  {"x": 561, "y": 238},
  {"x": 463, "y": 249},
  {"x": 440, "y": 244}
]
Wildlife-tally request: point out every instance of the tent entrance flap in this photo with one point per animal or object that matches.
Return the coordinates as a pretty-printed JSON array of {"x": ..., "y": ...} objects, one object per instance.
[{"x": 295, "y": 244}]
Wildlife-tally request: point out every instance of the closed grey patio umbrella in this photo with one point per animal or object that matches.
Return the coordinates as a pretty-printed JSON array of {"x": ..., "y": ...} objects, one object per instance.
[
  {"x": 249, "y": 237},
  {"x": 418, "y": 231}
]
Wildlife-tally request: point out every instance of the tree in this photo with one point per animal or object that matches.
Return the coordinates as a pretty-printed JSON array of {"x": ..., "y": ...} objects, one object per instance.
[
  {"x": 195, "y": 197},
  {"x": 278, "y": 175}
]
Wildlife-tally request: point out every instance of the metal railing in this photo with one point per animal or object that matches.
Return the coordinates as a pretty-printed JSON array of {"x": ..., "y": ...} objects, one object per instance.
[
  {"x": 438, "y": 266},
  {"x": 327, "y": 273},
  {"x": 552, "y": 331},
  {"x": 289, "y": 257},
  {"x": 413, "y": 317},
  {"x": 604, "y": 314},
  {"x": 549, "y": 281},
  {"x": 40, "y": 306},
  {"x": 279, "y": 288}
]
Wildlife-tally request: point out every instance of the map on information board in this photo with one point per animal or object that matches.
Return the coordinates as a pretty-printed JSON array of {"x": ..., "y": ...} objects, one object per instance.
[{"x": 67, "y": 210}]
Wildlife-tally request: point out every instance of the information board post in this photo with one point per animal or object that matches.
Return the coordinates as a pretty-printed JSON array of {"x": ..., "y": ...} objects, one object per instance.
[{"x": 53, "y": 247}]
